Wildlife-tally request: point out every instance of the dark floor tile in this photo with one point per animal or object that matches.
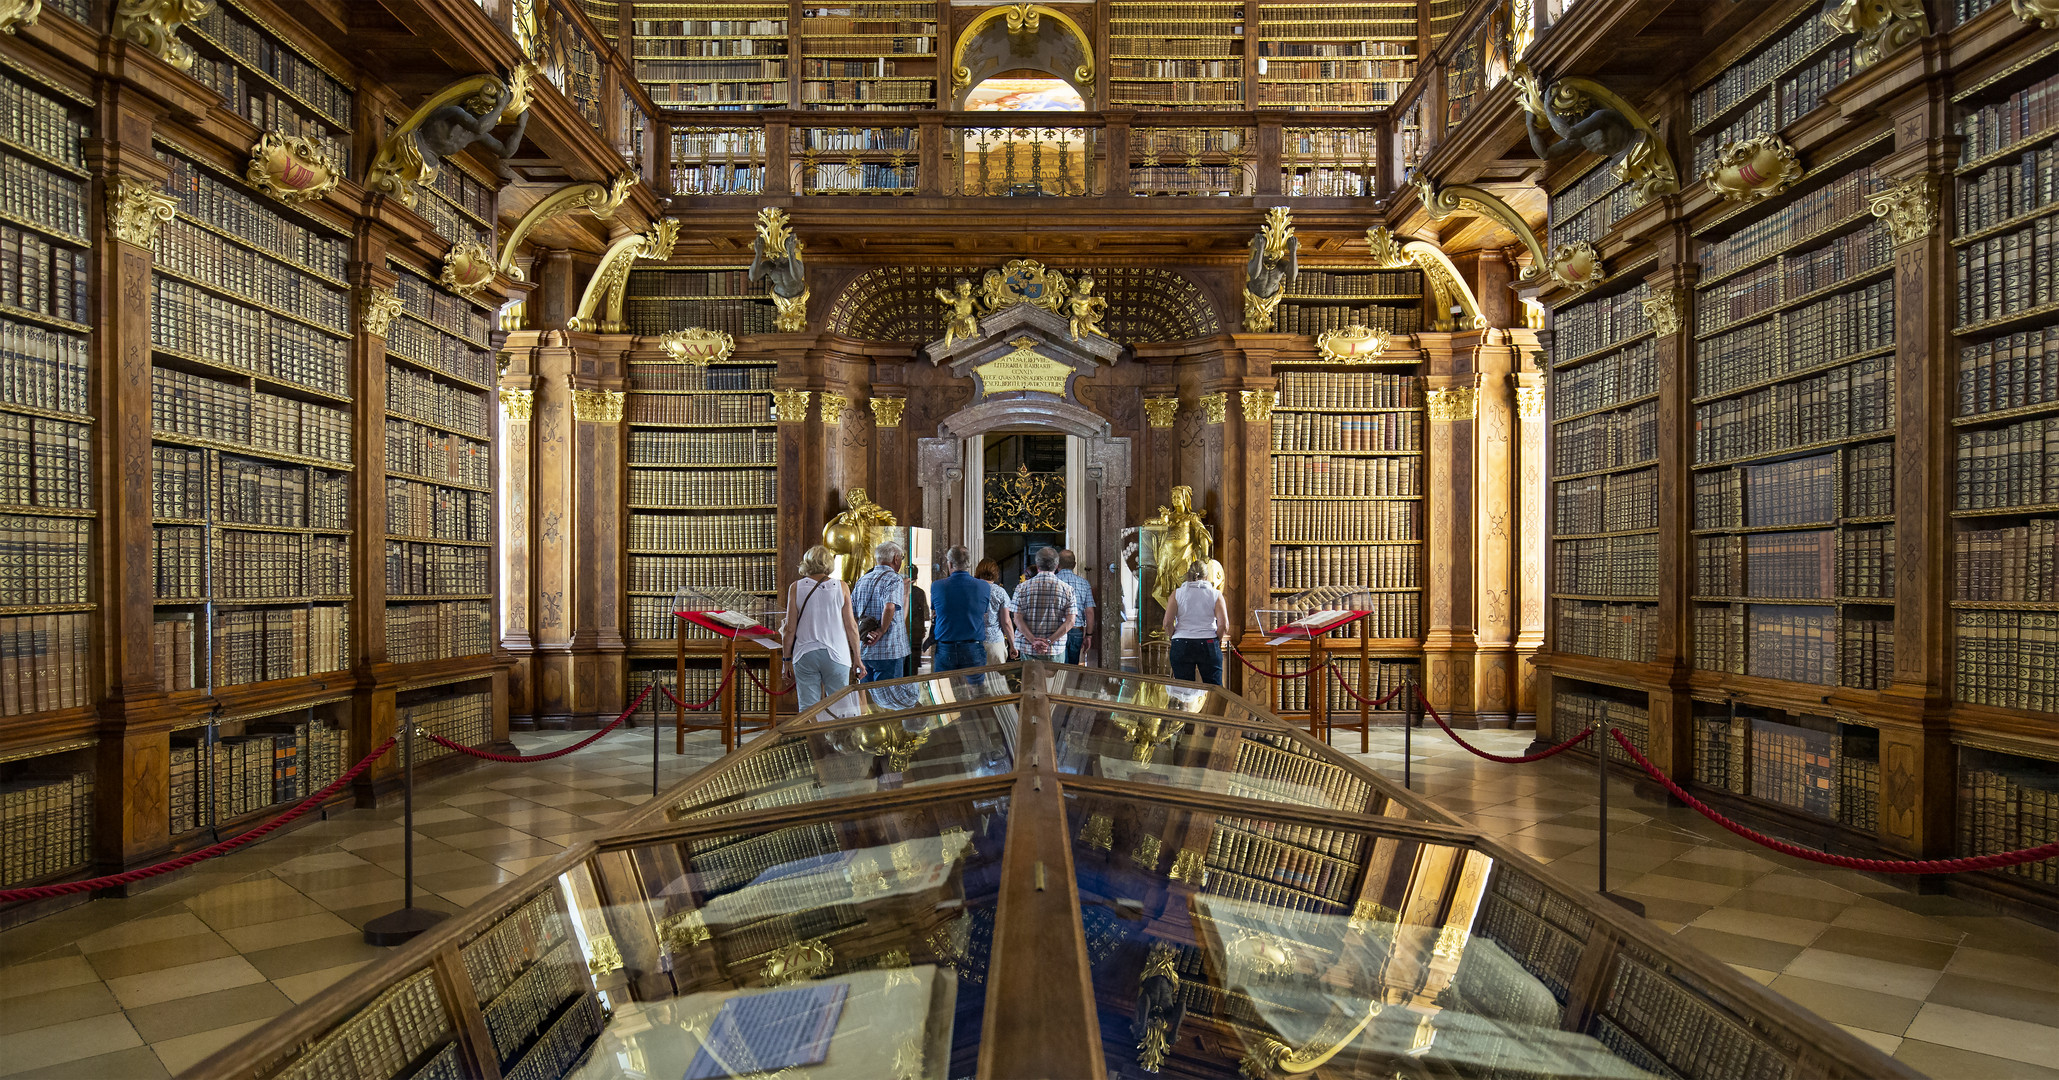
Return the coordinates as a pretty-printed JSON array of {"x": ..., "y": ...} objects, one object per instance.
[
  {"x": 2000, "y": 999},
  {"x": 223, "y": 1008},
  {"x": 1913, "y": 952},
  {"x": 1738, "y": 949},
  {"x": 315, "y": 955}
]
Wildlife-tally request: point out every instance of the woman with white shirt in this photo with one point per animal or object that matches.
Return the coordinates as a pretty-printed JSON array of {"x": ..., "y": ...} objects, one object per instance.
[
  {"x": 820, "y": 635},
  {"x": 1196, "y": 619}
]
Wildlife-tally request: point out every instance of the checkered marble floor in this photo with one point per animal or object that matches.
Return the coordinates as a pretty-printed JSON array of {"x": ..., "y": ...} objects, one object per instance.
[{"x": 149, "y": 985}]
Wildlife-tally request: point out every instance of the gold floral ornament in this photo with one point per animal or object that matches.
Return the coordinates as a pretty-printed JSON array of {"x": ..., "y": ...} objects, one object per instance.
[
  {"x": 1159, "y": 412},
  {"x": 136, "y": 209},
  {"x": 1909, "y": 207},
  {"x": 866, "y": 878},
  {"x": 2045, "y": 13},
  {"x": 1025, "y": 501},
  {"x": 697, "y": 345},
  {"x": 791, "y": 405},
  {"x": 682, "y": 931},
  {"x": 1663, "y": 309},
  {"x": 886, "y": 411},
  {"x": 292, "y": 168},
  {"x": 1024, "y": 281},
  {"x": 519, "y": 405},
  {"x": 1098, "y": 832},
  {"x": 1188, "y": 866},
  {"x": 376, "y": 308},
  {"x": 1147, "y": 853},
  {"x": 468, "y": 269},
  {"x": 1258, "y": 404},
  {"x": 15, "y": 13},
  {"x": 155, "y": 25},
  {"x": 1452, "y": 404},
  {"x": 800, "y": 960},
  {"x": 1754, "y": 169},
  {"x": 1577, "y": 266},
  {"x": 1530, "y": 402},
  {"x": 1087, "y": 309},
  {"x": 833, "y": 406},
  {"x": 607, "y": 956},
  {"x": 1882, "y": 25},
  {"x": 597, "y": 406},
  {"x": 1215, "y": 407},
  {"x": 1353, "y": 344}
]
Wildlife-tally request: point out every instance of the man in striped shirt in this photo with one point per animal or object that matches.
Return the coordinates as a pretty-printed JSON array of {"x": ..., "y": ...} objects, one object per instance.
[{"x": 1043, "y": 605}]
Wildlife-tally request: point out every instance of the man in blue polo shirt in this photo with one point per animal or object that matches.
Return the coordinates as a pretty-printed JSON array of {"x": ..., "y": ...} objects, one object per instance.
[
  {"x": 1080, "y": 639},
  {"x": 960, "y": 605}
]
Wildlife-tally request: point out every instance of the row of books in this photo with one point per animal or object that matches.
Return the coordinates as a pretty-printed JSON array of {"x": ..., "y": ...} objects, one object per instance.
[
  {"x": 254, "y": 493},
  {"x": 45, "y": 462},
  {"x": 433, "y": 512},
  {"x": 2017, "y": 564},
  {"x": 45, "y": 662},
  {"x": 445, "y": 220},
  {"x": 439, "y": 455},
  {"x": 2008, "y": 189},
  {"x": 661, "y": 28},
  {"x": 1391, "y": 566},
  {"x": 171, "y": 647},
  {"x": 672, "y": 378},
  {"x": 1791, "y": 642},
  {"x": 1869, "y": 480},
  {"x": 1318, "y": 522},
  {"x": 1380, "y": 283},
  {"x": 54, "y": 201},
  {"x": 666, "y": 573},
  {"x": 1718, "y": 566},
  {"x": 531, "y": 1002},
  {"x": 650, "y": 317},
  {"x": 193, "y": 323},
  {"x": 696, "y": 67},
  {"x": 563, "y": 1045},
  {"x": 1802, "y": 339},
  {"x": 1609, "y": 566},
  {"x": 385, "y": 1038},
  {"x": 707, "y": 46},
  {"x": 1719, "y": 637},
  {"x": 670, "y": 282},
  {"x": 754, "y": 95},
  {"x": 1803, "y": 92},
  {"x": 1613, "y": 502},
  {"x": 1347, "y": 477},
  {"x": 2008, "y": 274},
  {"x": 421, "y": 397},
  {"x": 2010, "y": 372},
  {"x": 207, "y": 198},
  {"x": 1546, "y": 952},
  {"x": 1866, "y": 562},
  {"x": 2008, "y": 810},
  {"x": 186, "y": 249},
  {"x": 275, "y": 566},
  {"x": 1591, "y": 221},
  {"x": 1628, "y": 632},
  {"x": 268, "y": 110},
  {"x": 1256, "y": 857},
  {"x": 1685, "y": 1031},
  {"x": 2017, "y": 465},
  {"x": 2008, "y": 659},
  {"x": 1397, "y": 431},
  {"x": 1759, "y": 70},
  {"x": 1791, "y": 277},
  {"x": 1141, "y": 68},
  {"x": 39, "y": 276},
  {"x": 1607, "y": 440},
  {"x": 696, "y": 488},
  {"x": 1805, "y": 215},
  {"x": 862, "y": 90},
  {"x": 178, "y": 557},
  {"x": 1348, "y": 390},
  {"x": 1851, "y": 402},
  {"x": 1788, "y": 565},
  {"x": 1867, "y": 659},
  {"x": 1802, "y": 491},
  {"x": 185, "y": 404},
  {"x": 511, "y": 946},
  {"x": 42, "y": 368},
  {"x": 2029, "y": 113},
  {"x": 1395, "y": 616},
  {"x": 703, "y": 447},
  {"x": 248, "y": 773},
  {"x": 1315, "y": 318},
  {"x": 437, "y": 631},
  {"x": 241, "y": 37},
  {"x": 1573, "y": 710},
  {"x": 1567, "y": 202},
  {"x": 1625, "y": 375},
  {"x": 447, "y": 313},
  {"x": 46, "y": 125},
  {"x": 414, "y": 569},
  {"x": 1592, "y": 325},
  {"x": 703, "y": 533},
  {"x": 44, "y": 560},
  {"x": 253, "y": 645},
  {"x": 651, "y": 618},
  {"x": 438, "y": 351},
  {"x": 46, "y": 823},
  {"x": 461, "y": 718}
]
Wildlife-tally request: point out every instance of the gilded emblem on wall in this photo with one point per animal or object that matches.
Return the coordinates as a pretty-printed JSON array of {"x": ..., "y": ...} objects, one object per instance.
[
  {"x": 155, "y": 25},
  {"x": 1353, "y": 344},
  {"x": 468, "y": 269},
  {"x": 1215, "y": 407},
  {"x": 1452, "y": 404},
  {"x": 292, "y": 168},
  {"x": 1663, "y": 310},
  {"x": 1754, "y": 169},
  {"x": 800, "y": 960},
  {"x": 1024, "y": 281},
  {"x": 697, "y": 345},
  {"x": 1882, "y": 25},
  {"x": 1577, "y": 266}
]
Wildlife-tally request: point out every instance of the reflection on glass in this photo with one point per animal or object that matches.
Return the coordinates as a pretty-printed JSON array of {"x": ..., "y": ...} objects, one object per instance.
[
  {"x": 954, "y": 688},
  {"x": 1198, "y": 755},
  {"x": 854, "y": 948},
  {"x": 1129, "y": 689},
  {"x": 1221, "y": 946},
  {"x": 814, "y": 763}
]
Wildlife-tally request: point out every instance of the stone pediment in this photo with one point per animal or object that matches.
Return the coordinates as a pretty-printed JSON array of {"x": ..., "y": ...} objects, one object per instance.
[{"x": 1024, "y": 351}]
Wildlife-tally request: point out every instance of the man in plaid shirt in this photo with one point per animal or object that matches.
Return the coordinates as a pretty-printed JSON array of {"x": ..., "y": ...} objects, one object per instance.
[
  {"x": 1043, "y": 605},
  {"x": 881, "y": 595}
]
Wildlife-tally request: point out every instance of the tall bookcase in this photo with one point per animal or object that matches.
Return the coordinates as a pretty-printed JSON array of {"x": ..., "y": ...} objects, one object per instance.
[
  {"x": 663, "y": 299},
  {"x": 869, "y": 54},
  {"x": 726, "y": 54},
  {"x": 1332, "y": 299},
  {"x": 1175, "y": 56},
  {"x": 1325, "y": 56},
  {"x": 268, "y": 82}
]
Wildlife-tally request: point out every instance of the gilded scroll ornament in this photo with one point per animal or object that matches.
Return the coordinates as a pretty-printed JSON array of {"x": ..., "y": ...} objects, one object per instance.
[
  {"x": 598, "y": 406},
  {"x": 1353, "y": 344},
  {"x": 1882, "y": 25},
  {"x": 697, "y": 345},
  {"x": 1153, "y": 1047},
  {"x": 800, "y": 960},
  {"x": 791, "y": 405},
  {"x": 1098, "y": 832},
  {"x": 963, "y": 321},
  {"x": 1530, "y": 402},
  {"x": 1452, "y": 404},
  {"x": 292, "y": 168},
  {"x": 1188, "y": 866},
  {"x": 1385, "y": 249},
  {"x": 1025, "y": 501},
  {"x": 833, "y": 406},
  {"x": 456, "y": 117},
  {"x": 1149, "y": 850},
  {"x": 519, "y": 405},
  {"x": 376, "y": 308},
  {"x": 607, "y": 956},
  {"x": 136, "y": 209},
  {"x": 1258, "y": 404},
  {"x": 2045, "y": 13},
  {"x": 468, "y": 269},
  {"x": 1159, "y": 412},
  {"x": 1274, "y": 264},
  {"x": 886, "y": 411},
  {"x": 1577, "y": 266},
  {"x": 776, "y": 257},
  {"x": 600, "y": 200},
  {"x": 1024, "y": 281},
  {"x": 1754, "y": 169},
  {"x": 1446, "y": 284},
  {"x": 1022, "y": 19},
  {"x": 15, "y": 13},
  {"x": 1585, "y": 115},
  {"x": 1441, "y": 203},
  {"x": 1215, "y": 408},
  {"x": 600, "y": 306},
  {"x": 155, "y": 25},
  {"x": 1664, "y": 309},
  {"x": 1908, "y": 206}
]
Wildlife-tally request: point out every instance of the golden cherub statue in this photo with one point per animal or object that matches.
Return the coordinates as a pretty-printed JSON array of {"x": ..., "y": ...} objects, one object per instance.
[
  {"x": 1184, "y": 541},
  {"x": 963, "y": 322},
  {"x": 1086, "y": 308},
  {"x": 853, "y": 533}
]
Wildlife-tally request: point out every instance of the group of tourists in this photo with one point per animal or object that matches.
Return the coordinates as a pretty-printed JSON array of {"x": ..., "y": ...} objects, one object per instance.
[{"x": 881, "y": 627}]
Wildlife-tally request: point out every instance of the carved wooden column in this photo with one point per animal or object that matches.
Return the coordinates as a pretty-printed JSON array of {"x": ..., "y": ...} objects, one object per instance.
[
  {"x": 1494, "y": 531},
  {"x": 553, "y": 561},
  {"x": 1532, "y": 538},
  {"x": 892, "y": 453},
  {"x": 517, "y": 526},
  {"x": 583, "y": 681},
  {"x": 1669, "y": 309},
  {"x": 1450, "y": 508},
  {"x": 378, "y": 305},
  {"x": 1245, "y": 544}
]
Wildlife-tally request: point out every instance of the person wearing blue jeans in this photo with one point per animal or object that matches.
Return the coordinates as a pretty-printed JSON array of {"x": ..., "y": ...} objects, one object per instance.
[
  {"x": 880, "y": 595},
  {"x": 1195, "y": 619},
  {"x": 960, "y": 606},
  {"x": 1079, "y": 640}
]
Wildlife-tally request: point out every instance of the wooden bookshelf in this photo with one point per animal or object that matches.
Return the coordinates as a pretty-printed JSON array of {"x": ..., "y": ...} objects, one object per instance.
[
  {"x": 724, "y": 55},
  {"x": 868, "y": 54},
  {"x": 1333, "y": 57},
  {"x": 1175, "y": 57}
]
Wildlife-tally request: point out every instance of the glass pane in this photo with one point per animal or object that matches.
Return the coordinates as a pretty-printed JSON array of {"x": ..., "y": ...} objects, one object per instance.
[
  {"x": 952, "y": 688},
  {"x": 1206, "y": 756},
  {"x": 1111, "y": 686},
  {"x": 814, "y": 763},
  {"x": 1223, "y": 944},
  {"x": 858, "y": 946}
]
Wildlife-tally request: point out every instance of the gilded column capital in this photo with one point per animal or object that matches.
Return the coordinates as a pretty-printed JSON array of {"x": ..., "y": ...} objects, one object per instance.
[
  {"x": 519, "y": 405},
  {"x": 597, "y": 406},
  {"x": 1908, "y": 206},
  {"x": 1663, "y": 309},
  {"x": 155, "y": 24},
  {"x": 1258, "y": 404},
  {"x": 1160, "y": 411},
  {"x": 887, "y": 410},
  {"x": 833, "y": 406},
  {"x": 135, "y": 209},
  {"x": 1453, "y": 404},
  {"x": 1530, "y": 401},
  {"x": 376, "y": 307},
  {"x": 791, "y": 405},
  {"x": 1215, "y": 407}
]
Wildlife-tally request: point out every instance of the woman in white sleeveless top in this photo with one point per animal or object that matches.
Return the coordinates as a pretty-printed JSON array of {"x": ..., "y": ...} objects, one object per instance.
[
  {"x": 820, "y": 635},
  {"x": 1196, "y": 620}
]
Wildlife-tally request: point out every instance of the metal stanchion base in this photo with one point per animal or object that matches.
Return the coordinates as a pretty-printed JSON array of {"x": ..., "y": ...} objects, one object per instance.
[{"x": 400, "y": 927}]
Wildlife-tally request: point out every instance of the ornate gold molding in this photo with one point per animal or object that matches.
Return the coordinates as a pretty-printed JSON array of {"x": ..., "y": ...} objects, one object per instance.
[
  {"x": 777, "y": 246},
  {"x": 1453, "y": 404},
  {"x": 886, "y": 411},
  {"x": 1147, "y": 853},
  {"x": 519, "y": 405},
  {"x": 2045, "y": 13},
  {"x": 1023, "y": 18},
  {"x": 1441, "y": 203},
  {"x": 1530, "y": 402},
  {"x": 1908, "y": 206},
  {"x": 1187, "y": 866},
  {"x": 1160, "y": 411},
  {"x": 1353, "y": 344},
  {"x": 292, "y": 168},
  {"x": 697, "y": 345},
  {"x": 1215, "y": 408},
  {"x": 1577, "y": 266},
  {"x": 136, "y": 209},
  {"x": 1754, "y": 169},
  {"x": 791, "y": 405},
  {"x": 1258, "y": 404},
  {"x": 1664, "y": 308},
  {"x": 155, "y": 24},
  {"x": 1882, "y": 25},
  {"x": 376, "y": 308},
  {"x": 600, "y": 306},
  {"x": 1446, "y": 284},
  {"x": 1273, "y": 255},
  {"x": 597, "y": 406},
  {"x": 1644, "y": 164},
  {"x": 467, "y": 269},
  {"x": 15, "y": 13},
  {"x": 1098, "y": 831},
  {"x": 800, "y": 960},
  {"x": 399, "y": 169},
  {"x": 600, "y": 200},
  {"x": 683, "y": 930},
  {"x": 607, "y": 956},
  {"x": 833, "y": 406}
]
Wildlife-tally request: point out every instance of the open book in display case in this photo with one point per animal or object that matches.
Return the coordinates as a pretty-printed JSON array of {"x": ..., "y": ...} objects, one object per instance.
[{"x": 1038, "y": 870}]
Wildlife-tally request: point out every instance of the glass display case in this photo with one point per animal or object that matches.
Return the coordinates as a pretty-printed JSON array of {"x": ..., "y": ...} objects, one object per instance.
[{"x": 1044, "y": 871}]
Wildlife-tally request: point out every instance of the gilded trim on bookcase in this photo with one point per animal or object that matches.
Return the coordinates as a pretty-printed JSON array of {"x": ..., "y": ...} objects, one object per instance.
[
  {"x": 1452, "y": 404},
  {"x": 1577, "y": 267},
  {"x": 45, "y": 81},
  {"x": 1975, "y": 89},
  {"x": 1753, "y": 169},
  {"x": 1216, "y": 407},
  {"x": 1160, "y": 412},
  {"x": 2043, "y": 12},
  {"x": 1909, "y": 206},
  {"x": 697, "y": 345},
  {"x": 1441, "y": 203},
  {"x": 597, "y": 406},
  {"x": 155, "y": 25},
  {"x": 1664, "y": 309},
  {"x": 288, "y": 42},
  {"x": 791, "y": 405},
  {"x": 1098, "y": 831},
  {"x": 607, "y": 956},
  {"x": 1258, "y": 404},
  {"x": 15, "y": 13},
  {"x": 1445, "y": 282},
  {"x": 600, "y": 200},
  {"x": 257, "y": 714},
  {"x": 886, "y": 411},
  {"x": 1999, "y": 744},
  {"x": 1025, "y": 14},
  {"x": 1188, "y": 866},
  {"x": 1882, "y": 25},
  {"x": 467, "y": 269},
  {"x": 611, "y": 277},
  {"x": 1735, "y": 209},
  {"x": 519, "y": 405},
  {"x": 136, "y": 209},
  {"x": 46, "y": 751}
]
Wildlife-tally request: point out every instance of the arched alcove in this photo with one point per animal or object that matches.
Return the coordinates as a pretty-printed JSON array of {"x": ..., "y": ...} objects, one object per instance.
[{"x": 1022, "y": 40}]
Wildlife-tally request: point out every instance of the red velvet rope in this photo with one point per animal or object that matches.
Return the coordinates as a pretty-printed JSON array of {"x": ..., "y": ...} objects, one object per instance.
[
  {"x": 1361, "y": 697},
  {"x": 518, "y": 759},
  {"x": 775, "y": 693},
  {"x": 1275, "y": 674},
  {"x": 704, "y": 702},
  {"x": 1504, "y": 759},
  {"x": 1877, "y": 866},
  {"x": 44, "y": 892}
]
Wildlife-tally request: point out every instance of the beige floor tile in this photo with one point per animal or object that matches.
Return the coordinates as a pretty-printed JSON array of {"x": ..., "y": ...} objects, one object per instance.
[
  {"x": 519, "y": 867},
  {"x": 157, "y": 955},
  {"x": 359, "y": 916},
  {"x": 2010, "y": 968},
  {"x": 1755, "y": 924},
  {"x": 135, "y": 1063},
  {"x": 2002, "y": 934},
  {"x": 176, "y": 924},
  {"x": 1757, "y": 975},
  {"x": 493, "y": 837},
  {"x": 1673, "y": 888},
  {"x": 1885, "y": 1013},
  {"x": 1983, "y": 1034},
  {"x": 467, "y": 897},
  {"x": 436, "y": 862},
  {"x": 191, "y": 980},
  {"x": 183, "y": 1053},
  {"x": 1912, "y": 951},
  {"x": 2031, "y": 1005},
  {"x": 320, "y": 860},
  {"x": 1718, "y": 855},
  {"x": 205, "y": 1012},
  {"x": 1879, "y": 976},
  {"x": 307, "y": 984},
  {"x": 442, "y": 815},
  {"x": 1791, "y": 884},
  {"x": 1660, "y": 909},
  {"x": 525, "y": 849},
  {"x": 1884, "y": 1043},
  {"x": 59, "y": 1006},
  {"x": 1793, "y": 907},
  {"x": 1740, "y": 949},
  {"x": 1941, "y": 1062},
  {"x": 1877, "y": 918},
  {"x": 389, "y": 891},
  {"x": 1737, "y": 877},
  {"x": 267, "y": 899},
  {"x": 320, "y": 880},
  {"x": 315, "y": 954},
  {"x": 260, "y": 936},
  {"x": 54, "y": 1045},
  {"x": 38, "y": 976}
]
